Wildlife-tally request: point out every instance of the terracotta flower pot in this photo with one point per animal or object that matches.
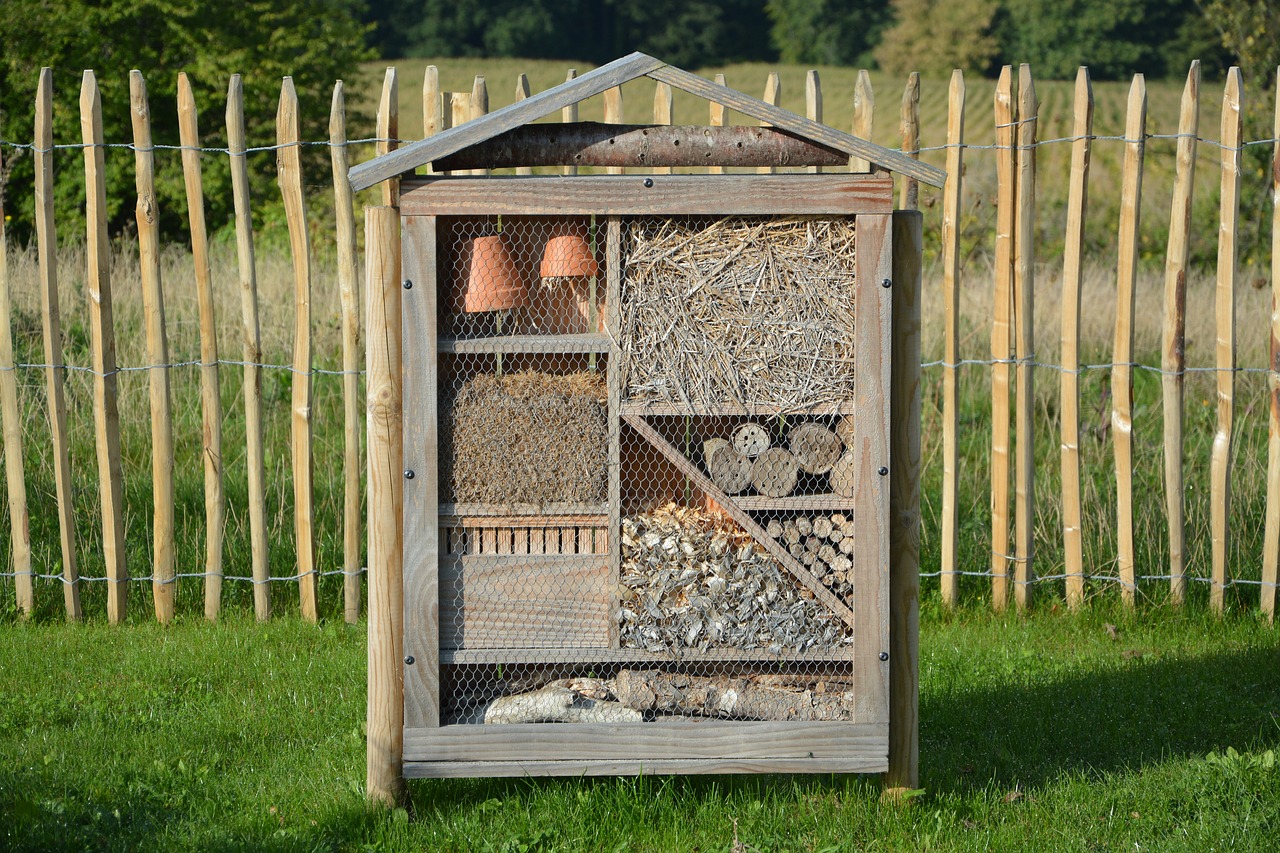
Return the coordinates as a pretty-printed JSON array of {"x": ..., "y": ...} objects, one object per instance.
[
  {"x": 486, "y": 277},
  {"x": 568, "y": 256}
]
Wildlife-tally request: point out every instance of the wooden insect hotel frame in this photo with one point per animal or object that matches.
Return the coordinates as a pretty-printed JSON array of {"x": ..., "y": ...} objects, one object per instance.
[{"x": 643, "y": 449}]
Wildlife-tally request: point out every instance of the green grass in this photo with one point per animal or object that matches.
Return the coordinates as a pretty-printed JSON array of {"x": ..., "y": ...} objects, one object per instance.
[{"x": 1045, "y": 732}]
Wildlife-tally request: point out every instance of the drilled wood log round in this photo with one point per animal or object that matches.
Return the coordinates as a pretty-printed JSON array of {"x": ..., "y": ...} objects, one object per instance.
[
  {"x": 844, "y": 475},
  {"x": 774, "y": 473},
  {"x": 729, "y": 469},
  {"x": 751, "y": 440},
  {"x": 815, "y": 447},
  {"x": 846, "y": 429}
]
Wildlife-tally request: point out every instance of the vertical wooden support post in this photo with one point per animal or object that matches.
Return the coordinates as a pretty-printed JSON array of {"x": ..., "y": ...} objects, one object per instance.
[
  {"x": 662, "y": 114},
  {"x": 813, "y": 102},
  {"x": 1225, "y": 349},
  {"x": 523, "y": 92},
  {"x": 15, "y": 478},
  {"x": 864, "y": 110},
  {"x": 952, "y": 210},
  {"x": 909, "y": 195},
  {"x": 385, "y": 724},
  {"x": 51, "y": 323},
  {"x": 289, "y": 169},
  {"x": 251, "y": 352},
  {"x": 1271, "y": 549},
  {"x": 163, "y": 586},
  {"x": 348, "y": 294},
  {"x": 1122, "y": 360},
  {"x": 103, "y": 345},
  {"x": 716, "y": 119},
  {"x": 570, "y": 114},
  {"x": 1173, "y": 358},
  {"x": 904, "y": 504},
  {"x": 772, "y": 95},
  {"x": 613, "y": 114},
  {"x": 389, "y": 130},
  {"x": 1069, "y": 390},
  {"x": 1024, "y": 265},
  {"x": 210, "y": 390},
  {"x": 1000, "y": 339}
]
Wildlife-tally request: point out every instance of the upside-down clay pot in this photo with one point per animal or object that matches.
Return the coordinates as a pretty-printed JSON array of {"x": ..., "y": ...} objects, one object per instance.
[
  {"x": 486, "y": 277},
  {"x": 568, "y": 256}
]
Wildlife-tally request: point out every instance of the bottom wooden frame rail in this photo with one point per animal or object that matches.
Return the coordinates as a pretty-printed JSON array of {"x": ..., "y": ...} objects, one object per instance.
[{"x": 664, "y": 747}]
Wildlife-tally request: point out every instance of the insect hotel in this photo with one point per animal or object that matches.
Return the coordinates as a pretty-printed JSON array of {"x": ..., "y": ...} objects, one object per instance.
[{"x": 643, "y": 448}]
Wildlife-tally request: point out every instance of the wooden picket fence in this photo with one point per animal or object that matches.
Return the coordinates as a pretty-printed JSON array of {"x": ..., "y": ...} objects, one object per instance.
[{"x": 1012, "y": 364}]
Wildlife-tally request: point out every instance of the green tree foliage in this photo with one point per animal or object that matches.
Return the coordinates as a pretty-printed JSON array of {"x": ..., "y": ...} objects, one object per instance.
[
  {"x": 315, "y": 41},
  {"x": 827, "y": 32},
  {"x": 935, "y": 36}
]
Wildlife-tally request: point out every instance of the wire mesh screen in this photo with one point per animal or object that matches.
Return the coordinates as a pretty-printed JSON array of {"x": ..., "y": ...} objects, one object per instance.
[{"x": 646, "y": 484}]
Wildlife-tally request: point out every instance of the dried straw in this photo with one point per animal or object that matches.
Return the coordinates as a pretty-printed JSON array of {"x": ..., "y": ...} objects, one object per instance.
[{"x": 745, "y": 311}]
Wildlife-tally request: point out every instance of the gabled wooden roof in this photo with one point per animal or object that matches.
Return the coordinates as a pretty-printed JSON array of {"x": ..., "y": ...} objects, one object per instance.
[{"x": 606, "y": 77}]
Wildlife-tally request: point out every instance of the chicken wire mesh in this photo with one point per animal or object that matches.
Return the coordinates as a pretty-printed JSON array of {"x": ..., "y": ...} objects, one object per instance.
[{"x": 620, "y": 548}]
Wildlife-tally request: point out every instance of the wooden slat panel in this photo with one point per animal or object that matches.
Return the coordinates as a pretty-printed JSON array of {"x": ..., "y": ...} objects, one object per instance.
[
  {"x": 870, "y": 762},
  {"x": 668, "y": 195},
  {"x": 1000, "y": 341},
  {"x": 490, "y": 601},
  {"x": 674, "y": 739},
  {"x": 1024, "y": 262},
  {"x": 952, "y": 211}
]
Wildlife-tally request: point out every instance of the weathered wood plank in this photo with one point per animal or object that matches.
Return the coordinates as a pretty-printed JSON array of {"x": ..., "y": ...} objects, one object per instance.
[
  {"x": 569, "y": 115},
  {"x": 952, "y": 212},
  {"x": 584, "y": 654},
  {"x": 716, "y": 118},
  {"x": 868, "y": 763}
]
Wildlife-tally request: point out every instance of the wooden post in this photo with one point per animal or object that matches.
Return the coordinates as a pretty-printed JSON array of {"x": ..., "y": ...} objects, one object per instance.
[
  {"x": 51, "y": 323},
  {"x": 522, "y": 92},
  {"x": 716, "y": 119},
  {"x": 289, "y": 169},
  {"x": 251, "y": 352},
  {"x": 864, "y": 108},
  {"x": 385, "y": 723},
  {"x": 163, "y": 585},
  {"x": 613, "y": 114},
  {"x": 1271, "y": 549},
  {"x": 904, "y": 504},
  {"x": 389, "y": 130},
  {"x": 952, "y": 211},
  {"x": 1024, "y": 262},
  {"x": 1000, "y": 340},
  {"x": 1122, "y": 367},
  {"x": 19, "y": 527},
  {"x": 479, "y": 107},
  {"x": 570, "y": 114},
  {"x": 813, "y": 102},
  {"x": 1173, "y": 359},
  {"x": 1225, "y": 349},
  {"x": 772, "y": 95},
  {"x": 210, "y": 391},
  {"x": 348, "y": 294},
  {"x": 1069, "y": 390},
  {"x": 662, "y": 114},
  {"x": 909, "y": 197},
  {"x": 103, "y": 346}
]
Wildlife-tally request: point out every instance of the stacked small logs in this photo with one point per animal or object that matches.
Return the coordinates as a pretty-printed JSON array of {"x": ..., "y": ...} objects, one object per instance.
[
  {"x": 748, "y": 458},
  {"x": 824, "y": 543}
]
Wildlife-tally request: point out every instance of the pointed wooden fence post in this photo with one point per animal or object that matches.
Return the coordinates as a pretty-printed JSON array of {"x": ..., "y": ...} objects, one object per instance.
[
  {"x": 952, "y": 211},
  {"x": 716, "y": 118},
  {"x": 613, "y": 114},
  {"x": 662, "y": 114},
  {"x": 570, "y": 114},
  {"x": 1001, "y": 348},
  {"x": 864, "y": 108},
  {"x": 1024, "y": 264},
  {"x": 772, "y": 95},
  {"x": 389, "y": 130},
  {"x": 1271, "y": 551},
  {"x": 909, "y": 196},
  {"x": 523, "y": 92},
  {"x": 813, "y": 103}
]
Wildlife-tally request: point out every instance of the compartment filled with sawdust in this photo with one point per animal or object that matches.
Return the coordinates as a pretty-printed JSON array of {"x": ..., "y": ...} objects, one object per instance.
[
  {"x": 525, "y": 438},
  {"x": 745, "y": 311}
]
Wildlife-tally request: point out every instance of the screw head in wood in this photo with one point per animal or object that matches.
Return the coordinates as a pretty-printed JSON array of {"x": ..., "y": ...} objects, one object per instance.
[
  {"x": 408, "y": 660},
  {"x": 408, "y": 474},
  {"x": 883, "y": 471},
  {"x": 886, "y": 283},
  {"x": 408, "y": 285},
  {"x": 883, "y": 656},
  {"x": 648, "y": 182}
]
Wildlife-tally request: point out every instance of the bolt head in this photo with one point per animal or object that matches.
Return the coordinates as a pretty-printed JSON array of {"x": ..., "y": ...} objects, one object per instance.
[
  {"x": 408, "y": 474},
  {"x": 648, "y": 182},
  {"x": 883, "y": 471},
  {"x": 408, "y": 285},
  {"x": 884, "y": 656},
  {"x": 408, "y": 660},
  {"x": 886, "y": 283}
]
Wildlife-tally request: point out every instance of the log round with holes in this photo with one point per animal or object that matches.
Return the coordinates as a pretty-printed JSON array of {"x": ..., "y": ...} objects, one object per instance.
[
  {"x": 751, "y": 439},
  {"x": 729, "y": 469},
  {"x": 774, "y": 473},
  {"x": 815, "y": 447},
  {"x": 844, "y": 475}
]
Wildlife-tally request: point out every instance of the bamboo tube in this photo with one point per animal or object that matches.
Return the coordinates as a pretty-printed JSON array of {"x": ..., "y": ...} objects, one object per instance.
[
  {"x": 385, "y": 732},
  {"x": 215, "y": 508},
  {"x": 613, "y": 114},
  {"x": 348, "y": 287},
  {"x": 523, "y": 92},
  {"x": 1024, "y": 323},
  {"x": 864, "y": 109},
  {"x": 716, "y": 119},
  {"x": 163, "y": 584},
  {"x": 15, "y": 477},
  {"x": 952, "y": 210},
  {"x": 1225, "y": 349},
  {"x": 51, "y": 324},
  {"x": 1000, "y": 340},
  {"x": 103, "y": 347},
  {"x": 1271, "y": 550},
  {"x": 662, "y": 115},
  {"x": 388, "y": 130},
  {"x": 251, "y": 353},
  {"x": 1122, "y": 367},
  {"x": 570, "y": 114},
  {"x": 1173, "y": 360},
  {"x": 813, "y": 102},
  {"x": 289, "y": 168},
  {"x": 772, "y": 95},
  {"x": 1069, "y": 390},
  {"x": 909, "y": 194}
]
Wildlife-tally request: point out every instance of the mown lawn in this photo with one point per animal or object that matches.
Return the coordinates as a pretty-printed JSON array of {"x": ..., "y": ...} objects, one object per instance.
[{"x": 1100, "y": 731}]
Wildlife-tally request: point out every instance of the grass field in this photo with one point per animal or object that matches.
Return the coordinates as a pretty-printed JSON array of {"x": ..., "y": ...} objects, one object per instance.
[{"x": 1101, "y": 731}]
